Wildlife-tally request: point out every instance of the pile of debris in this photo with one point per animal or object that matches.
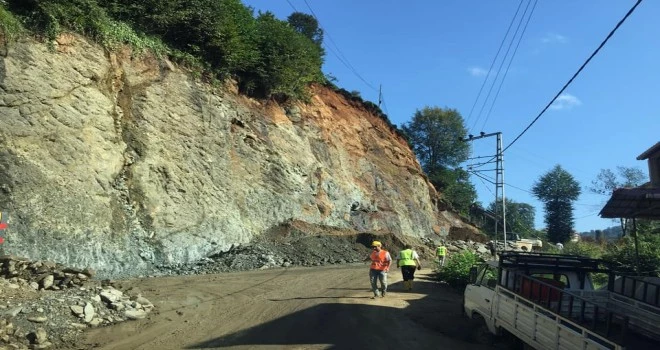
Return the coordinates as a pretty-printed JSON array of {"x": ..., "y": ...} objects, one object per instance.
[
  {"x": 44, "y": 305},
  {"x": 480, "y": 249},
  {"x": 43, "y": 274},
  {"x": 318, "y": 250},
  {"x": 315, "y": 250}
]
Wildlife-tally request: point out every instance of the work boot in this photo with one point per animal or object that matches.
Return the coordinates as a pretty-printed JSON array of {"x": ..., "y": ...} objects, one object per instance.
[
  {"x": 382, "y": 294},
  {"x": 408, "y": 285}
]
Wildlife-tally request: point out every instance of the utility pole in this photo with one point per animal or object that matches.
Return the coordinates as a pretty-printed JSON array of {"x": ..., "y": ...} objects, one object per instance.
[
  {"x": 380, "y": 94},
  {"x": 499, "y": 184},
  {"x": 499, "y": 180}
]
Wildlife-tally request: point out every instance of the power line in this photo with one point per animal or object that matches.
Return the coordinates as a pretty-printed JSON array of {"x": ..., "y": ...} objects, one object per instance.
[
  {"x": 632, "y": 9},
  {"x": 293, "y": 7},
  {"x": 479, "y": 157},
  {"x": 588, "y": 215},
  {"x": 518, "y": 188},
  {"x": 494, "y": 60},
  {"x": 482, "y": 181},
  {"x": 332, "y": 50},
  {"x": 345, "y": 60},
  {"x": 506, "y": 72},
  {"x": 573, "y": 77},
  {"x": 499, "y": 69}
]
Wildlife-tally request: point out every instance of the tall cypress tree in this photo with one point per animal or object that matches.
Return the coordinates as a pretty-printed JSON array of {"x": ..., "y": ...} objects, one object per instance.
[{"x": 557, "y": 189}]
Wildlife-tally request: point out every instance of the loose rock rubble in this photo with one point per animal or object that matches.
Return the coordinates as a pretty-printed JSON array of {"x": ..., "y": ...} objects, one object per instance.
[
  {"x": 43, "y": 274},
  {"x": 479, "y": 248},
  {"x": 45, "y": 305},
  {"x": 300, "y": 251},
  {"x": 297, "y": 246}
]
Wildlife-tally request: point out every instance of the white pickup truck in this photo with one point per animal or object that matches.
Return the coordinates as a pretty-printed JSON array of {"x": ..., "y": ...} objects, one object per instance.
[
  {"x": 524, "y": 244},
  {"x": 548, "y": 301}
]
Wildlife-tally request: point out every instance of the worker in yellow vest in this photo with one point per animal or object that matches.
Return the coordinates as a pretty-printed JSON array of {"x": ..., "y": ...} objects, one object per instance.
[
  {"x": 408, "y": 261},
  {"x": 441, "y": 253}
]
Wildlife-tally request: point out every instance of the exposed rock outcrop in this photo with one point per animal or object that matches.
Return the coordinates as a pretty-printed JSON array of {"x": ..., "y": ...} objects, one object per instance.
[{"x": 122, "y": 162}]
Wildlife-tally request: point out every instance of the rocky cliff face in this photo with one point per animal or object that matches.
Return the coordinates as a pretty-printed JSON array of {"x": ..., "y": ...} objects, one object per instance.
[{"x": 119, "y": 162}]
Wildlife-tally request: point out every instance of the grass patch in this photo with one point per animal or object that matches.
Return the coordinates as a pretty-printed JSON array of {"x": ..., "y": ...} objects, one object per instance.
[{"x": 10, "y": 25}]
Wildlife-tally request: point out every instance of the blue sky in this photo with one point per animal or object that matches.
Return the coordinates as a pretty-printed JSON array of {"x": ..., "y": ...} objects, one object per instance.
[{"x": 436, "y": 53}]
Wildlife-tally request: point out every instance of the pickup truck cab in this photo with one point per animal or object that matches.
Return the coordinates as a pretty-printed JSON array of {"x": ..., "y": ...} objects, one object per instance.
[
  {"x": 549, "y": 301},
  {"x": 524, "y": 244}
]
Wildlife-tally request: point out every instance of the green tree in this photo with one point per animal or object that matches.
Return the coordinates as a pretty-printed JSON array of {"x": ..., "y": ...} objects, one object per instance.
[
  {"x": 519, "y": 218},
  {"x": 624, "y": 254},
  {"x": 222, "y": 32},
  {"x": 607, "y": 181},
  {"x": 557, "y": 189},
  {"x": 306, "y": 25},
  {"x": 434, "y": 134},
  {"x": 456, "y": 187},
  {"x": 289, "y": 61}
]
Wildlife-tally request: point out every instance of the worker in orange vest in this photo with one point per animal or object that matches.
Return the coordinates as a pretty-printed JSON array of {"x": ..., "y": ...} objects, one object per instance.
[
  {"x": 380, "y": 265},
  {"x": 3, "y": 225}
]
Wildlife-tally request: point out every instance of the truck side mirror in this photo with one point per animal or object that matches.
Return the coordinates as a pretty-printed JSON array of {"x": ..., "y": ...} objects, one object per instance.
[{"x": 473, "y": 275}]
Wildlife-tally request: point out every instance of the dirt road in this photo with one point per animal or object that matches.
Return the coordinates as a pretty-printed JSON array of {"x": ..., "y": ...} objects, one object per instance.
[{"x": 298, "y": 308}]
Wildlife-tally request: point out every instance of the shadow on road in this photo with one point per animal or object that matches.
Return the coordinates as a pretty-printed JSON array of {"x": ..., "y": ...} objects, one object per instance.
[
  {"x": 365, "y": 289},
  {"x": 426, "y": 323},
  {"x": 310, "y": 298}
]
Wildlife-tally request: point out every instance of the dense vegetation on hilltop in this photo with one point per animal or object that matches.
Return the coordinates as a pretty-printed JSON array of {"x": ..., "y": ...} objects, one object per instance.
[{"x": 267, "y": 56}]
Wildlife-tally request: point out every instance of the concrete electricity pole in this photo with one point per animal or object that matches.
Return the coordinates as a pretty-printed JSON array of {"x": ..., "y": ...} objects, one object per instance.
[{"x": 499, "y": 180}]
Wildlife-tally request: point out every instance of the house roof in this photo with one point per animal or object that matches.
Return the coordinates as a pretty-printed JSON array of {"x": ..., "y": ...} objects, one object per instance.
[
  {"x": 652, "y": 152},
  {"x": 638, "y": 202}
]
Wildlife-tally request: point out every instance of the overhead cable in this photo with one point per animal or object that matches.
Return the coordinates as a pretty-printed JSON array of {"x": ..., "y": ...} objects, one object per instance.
[
  {"x": 499, "y": 69},
  {"x": 492, "y": 64},
  {"x": 576, "y": 73},
  {"x": 506, "y": 72},
  {"x": 343, "y": 58}
]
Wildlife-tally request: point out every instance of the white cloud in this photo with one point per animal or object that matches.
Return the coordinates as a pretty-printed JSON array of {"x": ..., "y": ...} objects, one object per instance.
[
  {"x": 554, "y": 38},
  {"x": 477, "y": 71},
  {"x": 565, "y": 101}
]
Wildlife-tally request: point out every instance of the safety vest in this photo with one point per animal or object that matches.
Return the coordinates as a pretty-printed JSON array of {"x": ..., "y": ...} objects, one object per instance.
[
  {"x": 406, "y": 258},
  {"x": 441, "y": 251},
  {"x": 379, "y": 260}
]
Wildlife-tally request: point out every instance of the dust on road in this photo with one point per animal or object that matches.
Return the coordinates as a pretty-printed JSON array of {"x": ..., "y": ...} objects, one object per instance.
[{"x": 297, "y": 308}]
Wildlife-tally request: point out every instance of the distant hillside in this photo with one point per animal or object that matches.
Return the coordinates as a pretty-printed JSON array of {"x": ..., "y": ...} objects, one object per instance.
[{"x": 610, "y": 233}]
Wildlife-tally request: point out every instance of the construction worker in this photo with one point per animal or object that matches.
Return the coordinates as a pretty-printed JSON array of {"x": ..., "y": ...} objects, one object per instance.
[
  {"x": 380, "y": 265},
  {"x": 441, "y": 253},
  {"x": 408, "y": 261},
  {"x": 493, "y": 249}
]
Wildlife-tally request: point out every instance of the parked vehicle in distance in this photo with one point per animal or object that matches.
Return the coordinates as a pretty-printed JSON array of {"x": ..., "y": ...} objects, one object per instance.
[{"x": 524, "y": 244}]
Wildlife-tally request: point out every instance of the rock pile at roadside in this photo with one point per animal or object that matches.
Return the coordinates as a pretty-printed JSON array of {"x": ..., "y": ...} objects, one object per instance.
[
  {"x": 317, "y": 250},
  {"x": 45, "y": 305}
]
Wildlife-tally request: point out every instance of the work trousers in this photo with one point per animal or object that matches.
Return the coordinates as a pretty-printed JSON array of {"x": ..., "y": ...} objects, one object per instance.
[
  {"x": 408, "y": 272},
  {"x": 374, "y": 277}
]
